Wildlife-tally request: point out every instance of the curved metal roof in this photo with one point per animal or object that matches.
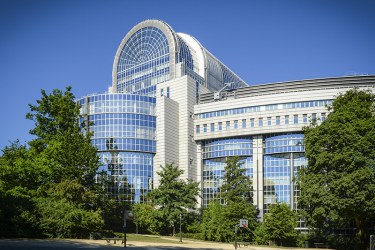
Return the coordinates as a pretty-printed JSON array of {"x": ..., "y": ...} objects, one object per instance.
[{"x": 139, "y": 53}]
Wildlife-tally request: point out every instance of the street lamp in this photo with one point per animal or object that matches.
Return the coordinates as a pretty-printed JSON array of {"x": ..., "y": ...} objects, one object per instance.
[
  {"x": 125, "y": 225},
  {"x": 180, "y": 230}
]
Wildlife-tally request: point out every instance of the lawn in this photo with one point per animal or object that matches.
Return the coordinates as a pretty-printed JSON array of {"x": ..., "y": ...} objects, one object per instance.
[{"x": 148, "y": 238}]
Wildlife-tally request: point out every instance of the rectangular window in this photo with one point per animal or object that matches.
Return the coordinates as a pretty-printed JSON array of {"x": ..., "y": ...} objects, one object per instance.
[
  {"x": 227, "y": 125},
  {"x": 168, "y": 92},
  {"x": 244, "y": 123},
  {"x": 295, "y": 119},
  {"x": 304, "y": 118},
  {"x": 161, "y": 92},
  {"x": 220, "y": 126},
  {"x": 212, "y": 127},
  {"x": 269, "y": 121},
  {"x": 204, "y": 128},
  {"x": 277, "y": 120},
  {"x": 313, "y": 117},
  {"x": 287, "y": 119},
  {"x": 260, "y": 122},
  {"x": 198, "y": 130},
  {"x": 252, "y": 123},
  {"x": 323, "y": 117},
  {"x": 236, "y": 124}
]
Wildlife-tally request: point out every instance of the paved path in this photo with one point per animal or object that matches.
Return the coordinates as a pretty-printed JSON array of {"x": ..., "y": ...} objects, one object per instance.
[{"x": 45, "y": 244}]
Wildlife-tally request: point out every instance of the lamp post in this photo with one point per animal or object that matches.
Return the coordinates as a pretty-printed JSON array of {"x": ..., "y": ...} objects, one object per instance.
[
  {"x": 125, "y": 225},
  {"x": 180, "y": 230}
]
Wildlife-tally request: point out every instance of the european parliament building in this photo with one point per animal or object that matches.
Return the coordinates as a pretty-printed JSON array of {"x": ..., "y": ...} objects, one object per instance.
[{"x": 172, "y": 101}]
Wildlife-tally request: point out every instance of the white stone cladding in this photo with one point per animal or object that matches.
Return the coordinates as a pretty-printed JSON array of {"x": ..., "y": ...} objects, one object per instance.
[
  {"x": 175, "y": 127},
  {"x": 257, "y": 101},
  {"x": 259, "y": 132},
  {"x": 258, "y": 173},
  {"x": 166, "y": 134}
]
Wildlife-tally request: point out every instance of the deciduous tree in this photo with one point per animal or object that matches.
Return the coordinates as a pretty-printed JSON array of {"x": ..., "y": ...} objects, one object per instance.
[
  {"x": 279, "y": 225},
  {"x": 172, "y": 197},
  {"x": 219, "y": 221},
  {"x": 338, "y": 186}
]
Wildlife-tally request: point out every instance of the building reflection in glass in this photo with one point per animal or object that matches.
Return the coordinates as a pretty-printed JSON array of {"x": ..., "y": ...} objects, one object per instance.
[{"x": 123, "y": 127}]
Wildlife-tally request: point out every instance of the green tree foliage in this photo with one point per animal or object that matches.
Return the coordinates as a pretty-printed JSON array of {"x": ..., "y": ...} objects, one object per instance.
[
  {"x": 144, "y": 217},
  {"x": 219, "y": 220},
  {"x": 213, "y": 224},
  {"x": 20, "y": 178},
  {"x": 338, "y": 185},
  {"x": 60, "y": 142},
  {"x": 172, "y": 198},
  {"x": 279, "y": 225},
  {"x": 237, "y": 186},
  {"x": 49, "y": 186}
]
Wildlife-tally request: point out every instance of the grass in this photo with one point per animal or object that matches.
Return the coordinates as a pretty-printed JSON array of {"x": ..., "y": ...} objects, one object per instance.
[{"x": 148, "y": 238}]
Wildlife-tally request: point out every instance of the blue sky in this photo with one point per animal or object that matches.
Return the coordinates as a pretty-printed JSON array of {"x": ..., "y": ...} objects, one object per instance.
[{"x": 48, "y": 44}]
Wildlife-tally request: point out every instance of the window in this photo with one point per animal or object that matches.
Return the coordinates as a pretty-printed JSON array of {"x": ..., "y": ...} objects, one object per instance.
[
  {"x": 168, "y": 92},
  {"x": 244, "y": 123},
  {"x": 295, "y": 119},
  {"x": 313, "y": 117},
  {"x": 204, "y": 128},
  {"x": 198, "y": 130},
  {"x": 220, "y": 126},
  {"x": 252, "y": 122},
  {"x": 287, "y": 119},
  {"x": 323, "y": 117},
  {"x": 161, "y": 92},
  {"x": 269, "y": 121},
  {"x": 260, "y": 122},
  {"x": 212, "y": 127},
  {"x": 227, "y": 125},
  {"x": 236, "y": 124},
  {"x": 304, "y": 118},
  {"x": 277, "y": 120}
]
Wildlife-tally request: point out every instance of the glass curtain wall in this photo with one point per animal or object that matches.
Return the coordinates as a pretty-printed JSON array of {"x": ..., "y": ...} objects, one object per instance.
[
  {"x": 214, "y": 157},
  {"x": 283, "y": 157},
  {"x": 143, "y": 62},
  {"x": 123, "y": 127}
]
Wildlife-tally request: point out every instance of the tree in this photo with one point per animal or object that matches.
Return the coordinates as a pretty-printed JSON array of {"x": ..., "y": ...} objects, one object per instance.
[
  {"x": 61, "y": 142},
  {"x": 237, "y": 186},
  {"x": 144, "y": 217},
  {"x": 49, "y": 186},
  {"x": 279, "y": 225},
  {"x": 20, "y": 179},
  {"x": 172, "y": 198},
  {"x": 338, "y": 186},
  {"x": 219, "y": 221}
]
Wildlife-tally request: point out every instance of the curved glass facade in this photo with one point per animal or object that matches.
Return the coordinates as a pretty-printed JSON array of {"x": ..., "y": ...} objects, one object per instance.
[
  {"x": 214, "y": 155},
  {"x": 227, "y": 147},
  {"x": 283, "y": 157},
  {"x": 147, "y": 58},
  {"x": 123, "y": 127},
  {"x": 143, "y": 62}
]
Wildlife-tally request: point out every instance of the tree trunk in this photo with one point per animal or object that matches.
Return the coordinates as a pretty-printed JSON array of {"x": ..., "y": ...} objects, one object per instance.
[{"x": 360, "y": 234}]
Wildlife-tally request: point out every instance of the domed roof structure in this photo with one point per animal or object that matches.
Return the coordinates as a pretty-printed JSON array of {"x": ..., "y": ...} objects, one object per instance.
[{"x": 150, "y": 52}]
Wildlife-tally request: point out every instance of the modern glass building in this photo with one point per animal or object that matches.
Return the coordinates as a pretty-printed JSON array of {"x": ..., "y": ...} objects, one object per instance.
[
  {"x": 123, "y": 127},
  {"x": 152, "y": 53},
  {"x": 170, "y": 103}
]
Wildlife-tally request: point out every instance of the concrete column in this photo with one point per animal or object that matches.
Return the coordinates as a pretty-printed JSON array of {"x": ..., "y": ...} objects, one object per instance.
[{"x": 258, "y": 173}]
